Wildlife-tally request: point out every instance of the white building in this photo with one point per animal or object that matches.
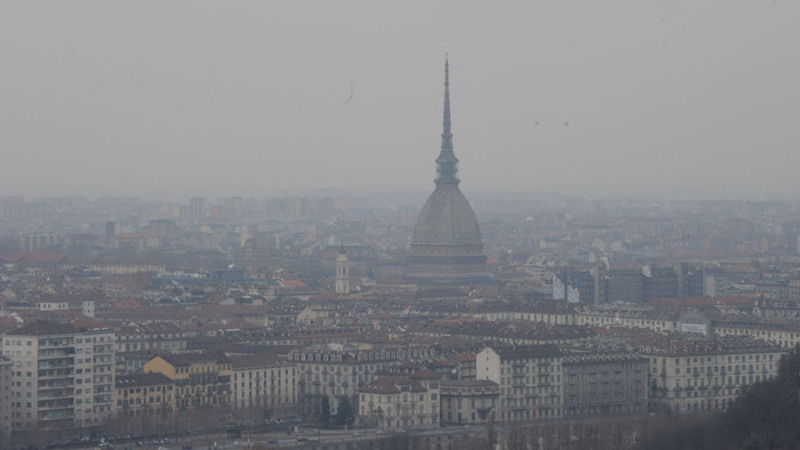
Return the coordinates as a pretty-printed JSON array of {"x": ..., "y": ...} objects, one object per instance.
[
  {"x": 336, "y": 370},
  {"x": 63, "y": 376},
  {"x": 264, "y": 381},
  {"x": 401, "y": 400},
  {"x": 697, "y": 374},
  {"x": 529, "y": 378}
]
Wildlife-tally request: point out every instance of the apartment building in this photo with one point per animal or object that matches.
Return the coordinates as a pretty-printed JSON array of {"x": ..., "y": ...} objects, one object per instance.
[
  {"x": 5, "y": 399},
  {"x": 529, "y": 379},
  {"x": 202, "y": 380},
  {"x": 401, "y": 400},
  {"x": 336, "y": 370},
  {"x": 468, "y": 401},
  {"x": 602, "y": 384},
  {"x": 62, "y": 375},
  {"x": 144, "y": 395},
  {"x": 264, "y": 381},
  {"x": 690, "y": 374}
]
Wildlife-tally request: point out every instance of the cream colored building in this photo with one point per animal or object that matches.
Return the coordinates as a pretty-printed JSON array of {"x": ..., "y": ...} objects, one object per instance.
[
  {"x": 63, "y": 376},
  {"x": 265, "y": 382},
  {"x": 529, "y": 378},
  {"x": 202, "y": 380},
  {"x": 696, "y": 374},
  {"x": 144, "y": 395},
  {"x": 336, "y": 370},
  {"x": 400, "y": 401},
  {"x": 468, "y": 401}
]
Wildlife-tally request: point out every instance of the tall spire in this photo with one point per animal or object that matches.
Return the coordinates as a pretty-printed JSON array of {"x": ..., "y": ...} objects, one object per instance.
[
  {"x": 447, "y": 136},
  {"x": 447, "y": 163}
]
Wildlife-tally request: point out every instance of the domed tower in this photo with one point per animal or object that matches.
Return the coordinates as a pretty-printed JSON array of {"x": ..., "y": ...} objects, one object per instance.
[{"x": 447, "y": 245}]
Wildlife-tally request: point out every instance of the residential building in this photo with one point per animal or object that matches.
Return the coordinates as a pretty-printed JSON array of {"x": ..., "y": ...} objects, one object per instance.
[
  {"x": 468, "y": 401},
  {"x": 63, "y": 375},
  {"x": 529, "y": 378},
  {"x": 5, "y": 399},
  {"x": 264, "y": 381},
  {"x": 689, "y": 373},
  {"x": 401, "y": 400},
  {"x": 94, "y": 376},
  {"x": 336, "y": 370},
  {"x": 602, "y": 384},
  {"x": 144, "y": 395},
  {"x": 202, "y": 380}
]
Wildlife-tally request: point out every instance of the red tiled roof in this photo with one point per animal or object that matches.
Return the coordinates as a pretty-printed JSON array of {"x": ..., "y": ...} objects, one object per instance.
[
  {"x": 392, "y": 385},
  {"x": 293, "y": 283}
]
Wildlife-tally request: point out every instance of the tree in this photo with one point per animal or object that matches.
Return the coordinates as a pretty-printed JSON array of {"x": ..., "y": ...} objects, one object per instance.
[
  {"x": 345, "y": 413},
  {"x": 325, "y": 413}
]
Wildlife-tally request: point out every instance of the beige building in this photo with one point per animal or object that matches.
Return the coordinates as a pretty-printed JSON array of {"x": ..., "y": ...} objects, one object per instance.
[
  {"x": 202, "y": 380},
  {"x": 400, "y": 401},
  {"x": 468, "y": 401},
  {"x": 265, "y": 382},
  {"x": 529, "y": 378},
  {"x": 336, "y": 370},
  {"x": 63, "y": 376},
  {"x": 144, "y": 395},
  {"x": 690, "y": 374}
]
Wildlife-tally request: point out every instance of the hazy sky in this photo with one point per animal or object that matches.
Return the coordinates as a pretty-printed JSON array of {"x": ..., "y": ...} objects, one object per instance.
[{"x": 695, "y": 98}]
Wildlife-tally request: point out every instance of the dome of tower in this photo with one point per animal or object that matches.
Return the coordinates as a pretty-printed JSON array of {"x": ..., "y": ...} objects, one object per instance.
[{"x": 447, "y": 219}]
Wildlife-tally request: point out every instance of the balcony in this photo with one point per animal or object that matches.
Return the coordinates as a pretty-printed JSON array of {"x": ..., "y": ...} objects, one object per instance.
[
  {"x": 57, "y": 393},
  {"x": 55, "y": 405},
  {"x": 55, "y": 374},
  {"x": 67, "y": 353}
]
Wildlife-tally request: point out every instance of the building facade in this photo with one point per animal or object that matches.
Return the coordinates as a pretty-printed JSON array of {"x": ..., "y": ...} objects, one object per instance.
[
  {"x": 5, "y": 399},
  {"x": 697, "y": 374},
  {"x": 265, "y": 382},
  {"x": 202, "y": 380},
  {"x": 336, "y": 370},
  {"x": 529, "y": 379},
  {"x": 400, "y": 401},
  {"x": 598, "y": 385},
  {"x": 468, "y": 401},
  {"x": 144, "y": 395},
  {"x": 63, "y": 376}
]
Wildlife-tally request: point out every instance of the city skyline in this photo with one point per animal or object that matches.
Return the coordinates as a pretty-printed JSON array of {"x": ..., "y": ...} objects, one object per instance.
[{"x": 678, "y": 100}]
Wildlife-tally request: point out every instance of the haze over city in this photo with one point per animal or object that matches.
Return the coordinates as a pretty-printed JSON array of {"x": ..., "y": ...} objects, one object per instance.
[{"x": 617, "y": 98}]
